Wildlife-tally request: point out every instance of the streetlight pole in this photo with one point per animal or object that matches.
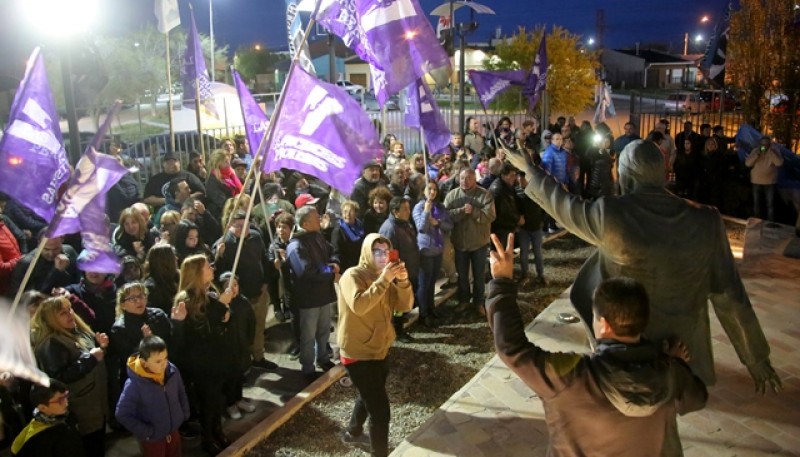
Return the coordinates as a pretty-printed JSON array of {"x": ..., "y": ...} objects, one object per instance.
[
  {"x": 211, "y": 35},
  {"x": 69, "y": 102}
]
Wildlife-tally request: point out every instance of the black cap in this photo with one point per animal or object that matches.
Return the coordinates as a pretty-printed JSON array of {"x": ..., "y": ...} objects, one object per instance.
[
  {"x": 372, "y": 163},
  {"x": 169, "y": 155},
  {"x": 237, "y": 162}
]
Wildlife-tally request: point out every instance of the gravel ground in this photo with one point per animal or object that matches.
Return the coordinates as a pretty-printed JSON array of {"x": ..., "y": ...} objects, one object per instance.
[{"x": 423, "y": 374}]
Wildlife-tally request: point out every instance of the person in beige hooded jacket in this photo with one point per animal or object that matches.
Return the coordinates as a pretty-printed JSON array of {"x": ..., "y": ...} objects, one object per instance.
[{"x": 369, "y": 293}]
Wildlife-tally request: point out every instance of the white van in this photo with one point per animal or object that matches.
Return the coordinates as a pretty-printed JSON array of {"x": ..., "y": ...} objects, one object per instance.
[{"x": 684, "y": 102}]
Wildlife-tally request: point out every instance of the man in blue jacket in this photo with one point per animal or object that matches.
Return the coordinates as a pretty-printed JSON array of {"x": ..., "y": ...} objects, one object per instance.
[
  {"x": 554, "y": 161},
  {"x": 313, "y": 268}
]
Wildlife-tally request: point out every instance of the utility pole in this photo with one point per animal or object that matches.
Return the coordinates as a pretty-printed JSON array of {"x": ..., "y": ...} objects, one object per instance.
[{"x": 600, "y": 27}]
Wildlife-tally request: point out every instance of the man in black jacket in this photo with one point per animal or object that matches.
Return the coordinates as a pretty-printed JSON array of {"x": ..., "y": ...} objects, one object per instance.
[
  {"x": 622, "y": 399},
  {"x": 370, "y": 179},
  {"x": 252, "y": 272},
  {"x": 56, "y": 267},
  {"x": 508, "y": 217}
]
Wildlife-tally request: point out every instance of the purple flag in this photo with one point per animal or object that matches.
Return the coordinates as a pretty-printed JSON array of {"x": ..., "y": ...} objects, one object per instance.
[
  {"x": 537, "y": 79},
  {"x": 423, "y": 112},
  {"x": 255, "y": 120},
  {"x": 33, "y": 163},
  {"x": 490, "y": 84},
  {"x": 393, "y": 36},
  {"x": 82, "y": 208},
  {"x": 194, "y": 68},
  {"x": 322, "y": 131}
]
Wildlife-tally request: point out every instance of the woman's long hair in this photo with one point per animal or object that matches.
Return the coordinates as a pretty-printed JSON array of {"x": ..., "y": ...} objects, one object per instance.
[
  {"x": 192, "y": 289},
  {"x": 161, "y": 265},
  {"x": 45, "y": 322},
  {"x": 233, "y": 204},
  {"x": 178, "y": 239},
  {"x": 128, "y": 213}
]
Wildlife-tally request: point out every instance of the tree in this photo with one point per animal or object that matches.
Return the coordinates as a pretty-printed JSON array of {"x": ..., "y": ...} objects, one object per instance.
[
  {"x": 572, "y": 73},
  {"x": 251, "y": 61},
  {"x": 764, "y": 58}
]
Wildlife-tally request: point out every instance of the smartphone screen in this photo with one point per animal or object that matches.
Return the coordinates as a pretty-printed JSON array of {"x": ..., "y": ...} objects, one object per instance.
[{"x": 394, "y": 255}]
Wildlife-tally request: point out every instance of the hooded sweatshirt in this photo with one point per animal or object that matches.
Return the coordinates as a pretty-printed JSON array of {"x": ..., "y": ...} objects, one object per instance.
[
  {"x": 48, "y": 436},
  {"x": 620, "y": 401},
  {"x": 366, "y": 303}
]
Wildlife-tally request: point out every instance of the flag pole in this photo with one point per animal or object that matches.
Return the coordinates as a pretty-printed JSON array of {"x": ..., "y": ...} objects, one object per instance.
[
  {"x": 197, "y": 117},
  {"x": 28, "y": 274},
  {"x": 424, "y": 153},
  {"x": 266, "y": 140},
  {"x": 169, "y": 94}
]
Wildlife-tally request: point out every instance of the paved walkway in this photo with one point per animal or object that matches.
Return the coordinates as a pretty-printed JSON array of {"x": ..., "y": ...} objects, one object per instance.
[{"x": 496, "y": 415}]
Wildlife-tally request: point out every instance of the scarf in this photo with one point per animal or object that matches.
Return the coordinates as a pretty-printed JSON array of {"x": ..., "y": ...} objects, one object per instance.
[
  {"x": 353, "y": 232},
  {"x": 229, "y": 178}
]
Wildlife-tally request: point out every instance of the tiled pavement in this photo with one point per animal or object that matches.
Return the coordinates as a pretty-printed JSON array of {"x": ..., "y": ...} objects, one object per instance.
[{"x": 495, "y": 414}]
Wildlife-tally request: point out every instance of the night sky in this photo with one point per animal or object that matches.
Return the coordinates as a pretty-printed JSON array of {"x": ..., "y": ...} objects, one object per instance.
[{"x": 243, "y": 22}]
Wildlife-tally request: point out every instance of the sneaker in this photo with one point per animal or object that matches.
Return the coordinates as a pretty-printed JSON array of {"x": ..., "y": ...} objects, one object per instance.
[
  {"x": 245, "y": 406},
  {"x": 280, "y": 316},
  {"x": 294, "y": 354},
  {"x": 405, "y": 338},
  {"x": 430, "y": 321},
  {"x": 233, "y": 412},
  {"x": 311, "y": 377},
  {"x": 360, "y": 441},
  {"x": 540, "y": 281},
  {"x": 326, "y": 365},
  {"x": 265, "y": 364}
]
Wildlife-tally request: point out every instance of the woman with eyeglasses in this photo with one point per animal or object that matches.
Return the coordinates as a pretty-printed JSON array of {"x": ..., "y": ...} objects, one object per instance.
[
  {"x": 69, "y": 350},
  {"x": 208, "y": 346},
  {"x": 134, "y": 322}
]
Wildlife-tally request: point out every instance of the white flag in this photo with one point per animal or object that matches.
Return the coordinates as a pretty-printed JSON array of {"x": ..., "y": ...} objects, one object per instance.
[{"x": 167, "y": 15}]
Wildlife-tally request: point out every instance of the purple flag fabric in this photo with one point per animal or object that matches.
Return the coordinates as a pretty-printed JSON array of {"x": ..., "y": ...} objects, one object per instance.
[
  {"x": 490, "y": 84},
  {"x": 423, "y": 112},
  {"x": 537, "y": 79},
  {"x": 322, "y": 131},
  {"x": 194, "y": 68},
  {"x": 82, "y": 208},
  {"x": 393, "y": 36},
  {"x": 255, "y": 120},
  {"x": 33, "y": 162}
]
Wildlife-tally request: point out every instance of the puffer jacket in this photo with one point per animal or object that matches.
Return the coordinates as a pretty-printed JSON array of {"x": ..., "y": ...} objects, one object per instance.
[{"x": 366, "y": 303}]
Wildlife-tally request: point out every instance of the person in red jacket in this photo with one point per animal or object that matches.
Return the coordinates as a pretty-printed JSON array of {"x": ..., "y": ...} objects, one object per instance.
[{"x": 9, "y": 256}]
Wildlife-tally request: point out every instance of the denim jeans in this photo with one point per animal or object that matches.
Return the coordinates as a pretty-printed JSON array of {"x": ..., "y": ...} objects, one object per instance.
[
  {"x": 315, "y": 330},
  {"x": 526, "y": 239},
  {"x": 369, "y": 378},
  {"x": 768, "y": 191},
  {"x": 428, "y": 271},
  {"x": 477, "y": 261}
]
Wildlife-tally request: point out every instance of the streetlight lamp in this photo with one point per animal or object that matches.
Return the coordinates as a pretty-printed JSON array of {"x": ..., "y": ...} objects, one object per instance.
[
  {"x": 449, "y": 9},
  {"x": 50, "y": 17}
]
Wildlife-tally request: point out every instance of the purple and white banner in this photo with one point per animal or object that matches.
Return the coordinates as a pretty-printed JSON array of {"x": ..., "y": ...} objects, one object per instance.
[
  {"x": 82, "y": 208},
  {"x": 167, "y": 15},
  {"x": 490, "y": 84},
  {"x": 537, "y": 79},
  {"x": 423, "y": 112},
  {"x": 322, "y": 131},
  {"x": 394, "y": 36},
  {"x": 255, "y": 120},
  {"x": 194, "y": 72},
  {"x": 33, "y": 162},
  {"x": 296, "y": 35}
]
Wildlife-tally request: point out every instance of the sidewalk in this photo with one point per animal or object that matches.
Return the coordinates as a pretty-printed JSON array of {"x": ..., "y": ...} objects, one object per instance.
[{"x": 495, "y": 414}]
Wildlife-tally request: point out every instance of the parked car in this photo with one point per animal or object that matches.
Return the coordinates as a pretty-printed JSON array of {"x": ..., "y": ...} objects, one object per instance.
[
  {"x": 351, "y": 88},
  {"x": 144, "y": 153},
  {"x": 712, "y": 100},
  {"x": 370, "y": 103},
  {"x": 684, "y": 102}
]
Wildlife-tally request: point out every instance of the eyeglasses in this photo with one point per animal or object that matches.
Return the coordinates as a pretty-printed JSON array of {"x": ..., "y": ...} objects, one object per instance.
[
  {"x": 380, "y": 253},
  {"x": 138, "y": 297},
  {"x": 61, "y": 400}
]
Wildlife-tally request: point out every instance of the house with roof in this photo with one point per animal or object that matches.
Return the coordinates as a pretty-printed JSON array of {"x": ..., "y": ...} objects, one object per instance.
[{"x": 643, "y": 69}]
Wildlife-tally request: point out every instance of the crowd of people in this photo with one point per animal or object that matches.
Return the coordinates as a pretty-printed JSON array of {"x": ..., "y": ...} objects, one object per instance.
[{"x": 178, "y": 320}]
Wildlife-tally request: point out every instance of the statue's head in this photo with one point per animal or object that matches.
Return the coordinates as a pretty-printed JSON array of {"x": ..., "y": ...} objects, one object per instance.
[{"x": 641, "y": 165}]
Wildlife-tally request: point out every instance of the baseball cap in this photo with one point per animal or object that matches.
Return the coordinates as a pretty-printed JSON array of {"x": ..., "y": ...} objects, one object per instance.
[
  {"x": 304, "y": 199},
  {"x": 237, "y": 162},
  {"x": 169, "y": 155}
]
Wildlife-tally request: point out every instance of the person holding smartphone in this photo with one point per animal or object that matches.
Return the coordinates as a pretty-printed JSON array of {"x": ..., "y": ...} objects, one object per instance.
[
  {"x": 370, "y": 293},
  {"x": 765, "y": 161}
]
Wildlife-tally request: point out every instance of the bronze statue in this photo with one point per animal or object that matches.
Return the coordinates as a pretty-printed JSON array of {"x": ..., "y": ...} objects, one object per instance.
[{"x": 678, "y": 249}]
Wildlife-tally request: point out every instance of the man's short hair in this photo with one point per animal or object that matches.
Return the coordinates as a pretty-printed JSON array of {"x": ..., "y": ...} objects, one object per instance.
[
  {"x": 396, "y": 203},
  {"x": 303, "y": 212},
  {"x": 151, "y": 345},
  {"x": 285, "y": 219},
  {"x": 624, "y": 304},
  {"x": 527, "y": 123},
  {"x": 172, "y": 187},
  {"x": 495, "y": 166},
  {"x": 41, "y": 395},
  {"x": 507, "y": 168}
]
